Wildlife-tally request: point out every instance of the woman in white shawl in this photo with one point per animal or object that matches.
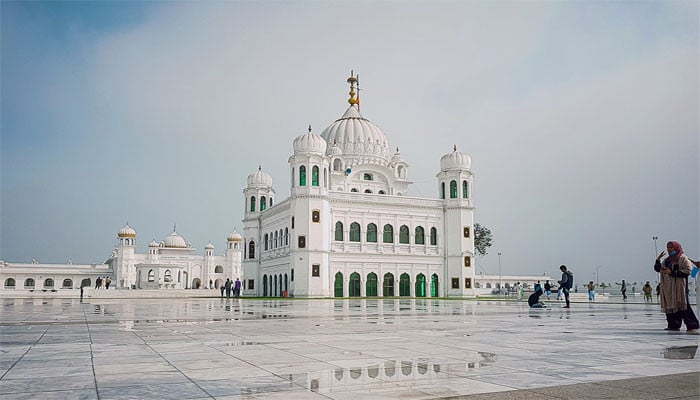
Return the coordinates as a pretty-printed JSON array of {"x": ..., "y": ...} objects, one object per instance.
[{"x": 674, "y": 271}]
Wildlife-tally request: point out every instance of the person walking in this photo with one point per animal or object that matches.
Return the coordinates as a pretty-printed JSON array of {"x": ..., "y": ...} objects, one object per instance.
[
  {"x": 566, "y": 283},
  {"x": 237, "y": 288},
  {"x": 227, "y": 285},
  {"x": 591, "y": 291},
  {"x": 547, "y": 289},
  {"x": 674, "y": 271},
  {"x": 623, "y": 289},
  {"x": 647, "y": 292}
]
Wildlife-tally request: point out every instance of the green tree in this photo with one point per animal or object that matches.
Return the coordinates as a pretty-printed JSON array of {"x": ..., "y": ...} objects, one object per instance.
[{"x": 483, "y": 239}]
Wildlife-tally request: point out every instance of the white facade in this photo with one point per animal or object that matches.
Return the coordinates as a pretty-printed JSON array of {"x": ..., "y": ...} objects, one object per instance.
[
  {"x": 173, "y": 263},
  {"x": 349, "y": 228}
]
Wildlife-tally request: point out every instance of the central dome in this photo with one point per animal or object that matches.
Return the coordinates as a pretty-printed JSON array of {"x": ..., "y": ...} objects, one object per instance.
[
  {"x": 175, "y": 241},
  {"x": 357, "y": 136}
]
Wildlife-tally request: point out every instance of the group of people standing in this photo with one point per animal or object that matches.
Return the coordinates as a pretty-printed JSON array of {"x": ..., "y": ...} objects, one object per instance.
[
  {"x": 231, "y": 286},
  {"x": 99, "y": 282},
  {"x": 565, "y": 285}
]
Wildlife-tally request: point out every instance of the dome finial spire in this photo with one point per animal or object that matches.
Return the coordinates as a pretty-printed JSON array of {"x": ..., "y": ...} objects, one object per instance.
[
  {"x": 351, "y": 80},
  {"x": 309, "y": 128},
  {"x": 455, "y": 148}
]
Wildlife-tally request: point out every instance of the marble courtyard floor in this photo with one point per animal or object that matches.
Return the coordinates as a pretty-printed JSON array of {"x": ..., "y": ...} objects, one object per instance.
[{"x": 210, "y": 348}]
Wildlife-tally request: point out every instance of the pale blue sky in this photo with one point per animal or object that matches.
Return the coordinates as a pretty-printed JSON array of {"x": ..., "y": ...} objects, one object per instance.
[{"x": 581, "y": 118}]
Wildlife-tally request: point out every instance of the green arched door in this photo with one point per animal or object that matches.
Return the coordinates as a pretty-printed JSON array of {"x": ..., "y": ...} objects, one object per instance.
[
  {"x": 420, "y": 285},
  {"x": 404, "y": 285},
  {"x": 338, "y": 285},
  {"x": 434, "y": 286},
  {"x": 388, "y": 285},
  {"x": 371, "y": 289},
  {"x": 354, "y": 285}
]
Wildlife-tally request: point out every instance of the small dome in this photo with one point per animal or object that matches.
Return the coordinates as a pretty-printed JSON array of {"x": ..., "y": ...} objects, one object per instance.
[
  {"x": 175, "y": 241},
  {"x": 310, "y": 143},
  {"x": 455, "y": 160},
  {"x": 259, "y": 179},
  {"x": 209, "y": 246},
  {"x": 127, "y": 232},
  {"x": 335, "y": 150},
  {"x": 153, "y": 243},
  {"x": 235, "y": 237},
  {"x": 397, "y": 157}
]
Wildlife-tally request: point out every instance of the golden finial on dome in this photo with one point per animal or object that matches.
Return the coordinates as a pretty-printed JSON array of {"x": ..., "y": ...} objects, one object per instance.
[{"x": 351, "y": 81}]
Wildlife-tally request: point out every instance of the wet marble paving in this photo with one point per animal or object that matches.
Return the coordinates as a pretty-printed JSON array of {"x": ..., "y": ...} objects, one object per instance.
[{"x": 324, "y": 349}]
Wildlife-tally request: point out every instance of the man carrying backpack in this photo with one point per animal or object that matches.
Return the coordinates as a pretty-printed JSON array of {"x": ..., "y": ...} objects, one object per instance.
[{"x": 566, "y": 283}]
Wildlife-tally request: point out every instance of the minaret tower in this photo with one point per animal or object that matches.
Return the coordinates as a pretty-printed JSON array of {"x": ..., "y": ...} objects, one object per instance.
[
  {"x": 310, "y": 211},
  {"x": 125, "y": 271},
  {"x": 259, "y": 196},
  {"x": 455, "y": 181}
]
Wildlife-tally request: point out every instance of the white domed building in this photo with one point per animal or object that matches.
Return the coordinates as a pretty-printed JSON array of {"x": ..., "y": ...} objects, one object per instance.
[
  {"x": 349, "y": 227},
  {"x": 173, "y": 263}
]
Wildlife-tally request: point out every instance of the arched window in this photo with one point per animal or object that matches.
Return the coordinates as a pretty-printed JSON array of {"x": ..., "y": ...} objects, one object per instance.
[
  {"x": 382, "y": 192},
  {"x": 434, "y": 286},
  {"x": 338, "y": 231},
  {"x": 276, "y": 239},
  {"x": 355, "y": 232},
  {"x": 86, "y": 282},
  {"x": 167, "y": 276},
  {"x": 252, "y": 203},
  {"x": 453, "y": 189},
  {"x": 465, "y": 189},
  {"x": 263, "y": 203},
  {"x": 368, "y": 177},
  {"x": 420, "y": 285},
  {"x": 218, "y": 269},
  {"x": 420, "y": 235},
  {"x": 270, "y": 201},
  {"x": 151, "y": 276},
  {"x": 314, "y": 176},
  {"x": 372, "y": 233},
  {"x": 9, "y": 283},
  {"x": 48, "y": 282},
  {"x": 433, "y": 236},
  {"x": 267, "y": 238},
  {"x": 325, "y": 177},
  {"x": 29, "y": 283},
  {"x": 401, "y": 172},
  {"x": 442, "y": 190},
  {"x": 286, "y": 236},
  {"x": 67, "y": 283},
  {"x": 388, "y": 236},
  {"x": 403, "y": 234},
  {"x": 251, "y": 250},
  {"x": 337, "y": 165},
  {"x": 353, "y": 190},
  {"x": 302, "y": 175}
]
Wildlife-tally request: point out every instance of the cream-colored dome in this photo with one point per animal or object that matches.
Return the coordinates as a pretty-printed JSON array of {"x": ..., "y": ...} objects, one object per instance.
[
  {"x": 234, "y": 237},
  {"x": 259, "y": 179},
  {"x": 153, "y": 243},
  {"x": 174, "y": 240},
  {"x": 209, "y": 246},
  {"x": 357, "y": 136},
  {"x": 310, "y": 143},
  {"x": 127, "y": 232},
  {"x": 455, "y": 160}
]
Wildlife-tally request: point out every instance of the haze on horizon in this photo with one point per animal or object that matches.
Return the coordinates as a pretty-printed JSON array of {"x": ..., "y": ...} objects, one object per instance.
[{"x": 581, "y": 119}]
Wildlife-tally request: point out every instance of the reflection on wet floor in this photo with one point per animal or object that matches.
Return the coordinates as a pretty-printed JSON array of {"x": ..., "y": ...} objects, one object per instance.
[
  {"x": 680, "y": 352},
  {"x": 420, "y": 348}
]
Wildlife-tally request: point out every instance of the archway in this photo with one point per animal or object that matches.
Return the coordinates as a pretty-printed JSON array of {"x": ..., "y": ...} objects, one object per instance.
[
  {"x": 371, "y": 289},
  {"x": 338, "y": 285},
  {"x": 388, "y": 285},
  {"x": 196, "y": 283},
  {"x": 404, "y": 285},
  {"x": 264, "y": 285},
  {"x": 354, "y": 285},
  {"x": 218, "y": 283},
  {"x": 434, "y": 286},
  {"x": 420, "y": 285}
]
